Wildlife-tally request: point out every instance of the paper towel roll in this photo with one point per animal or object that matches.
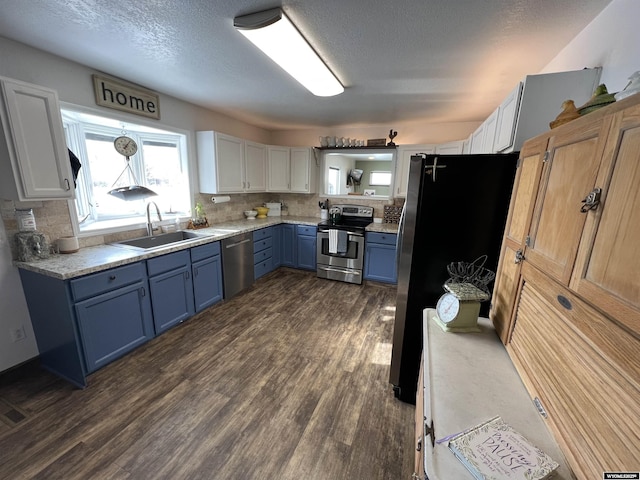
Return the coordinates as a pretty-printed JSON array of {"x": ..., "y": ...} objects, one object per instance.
[{"x": 220, "y": 199}]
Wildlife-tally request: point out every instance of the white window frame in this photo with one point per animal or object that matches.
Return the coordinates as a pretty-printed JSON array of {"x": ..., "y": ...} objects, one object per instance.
[
  {"x": 75, "y": 131},
  {"x": 373, "y": 173}
]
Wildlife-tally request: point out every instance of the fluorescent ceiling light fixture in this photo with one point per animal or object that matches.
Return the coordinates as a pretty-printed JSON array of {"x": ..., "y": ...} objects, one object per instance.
[{"x": 273, "y": 33}]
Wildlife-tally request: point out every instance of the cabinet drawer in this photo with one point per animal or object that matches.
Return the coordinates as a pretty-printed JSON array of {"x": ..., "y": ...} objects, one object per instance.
[
  {"x": 306, "y": 230},
  {"x": 205, "y": 251},
  {"x": 262, "y": 268},
  {"x": 262, "y": 233},
  {"x": 262, "y": 255},
  {"x": 263, "y": 244},
  {"x": 106, "y": 281},
  {"x": 384, "y": 238},
  {"x": 168, "y": 262}
]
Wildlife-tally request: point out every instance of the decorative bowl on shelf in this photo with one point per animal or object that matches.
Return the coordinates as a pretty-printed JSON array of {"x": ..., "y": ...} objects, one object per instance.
[
  {"x": 262, "y": 211},
  {"x": 250, "y": 214}
]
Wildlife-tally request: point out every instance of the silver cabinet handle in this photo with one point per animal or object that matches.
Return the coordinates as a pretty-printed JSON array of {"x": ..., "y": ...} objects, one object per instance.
[{"x": 591, "y": 201}]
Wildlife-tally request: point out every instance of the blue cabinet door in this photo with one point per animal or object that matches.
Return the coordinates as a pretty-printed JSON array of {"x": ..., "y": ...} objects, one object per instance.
[
  {"x": 171, "y": 298},
  {"x": 380, "y": 263},
  {"x": 306, "y": 252},
  {"x": 288, "y": 246},
  {"x": 114, "y": 323},
  {"x": 207, "y": 282},
  {"x": 277, "y": 248}
]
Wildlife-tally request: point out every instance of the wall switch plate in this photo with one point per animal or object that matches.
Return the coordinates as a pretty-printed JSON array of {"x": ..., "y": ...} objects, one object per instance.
[{"x": 17, "y": 334}]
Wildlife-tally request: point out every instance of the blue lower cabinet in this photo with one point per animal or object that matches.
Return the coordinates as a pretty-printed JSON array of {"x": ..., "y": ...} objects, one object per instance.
[
  {"x": 171, "y": 290},
  {"x": 288, "y": 246},
  {"x": 306, "y": 247},
  {"x": 276, "y": 255},
  {"x": 207, "y": 282},
  {"x": 380, "y": 257},
  {"x": 114, "y": 323},
  {"x": 206, "y": 267},
  {"x": 263, "y": 251}
]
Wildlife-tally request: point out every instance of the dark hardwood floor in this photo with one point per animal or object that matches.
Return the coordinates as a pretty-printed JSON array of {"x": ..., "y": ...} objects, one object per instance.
[{"x": 286, "y": 381}]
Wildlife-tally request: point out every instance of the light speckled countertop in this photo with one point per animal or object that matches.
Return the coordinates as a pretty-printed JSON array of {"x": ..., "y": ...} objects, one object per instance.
[{"x": 102, "y": 257}]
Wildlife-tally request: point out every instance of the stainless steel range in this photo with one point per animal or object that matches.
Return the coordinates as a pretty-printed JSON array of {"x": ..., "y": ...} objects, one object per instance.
[{"x": 340, "y": 246}]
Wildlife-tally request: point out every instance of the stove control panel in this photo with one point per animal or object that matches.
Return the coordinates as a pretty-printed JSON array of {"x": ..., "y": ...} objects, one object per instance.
[{"x": 356, "y": 210}]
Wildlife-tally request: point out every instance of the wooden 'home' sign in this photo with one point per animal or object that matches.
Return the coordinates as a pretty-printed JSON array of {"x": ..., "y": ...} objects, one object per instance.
[{"x": 128, "y": 98}]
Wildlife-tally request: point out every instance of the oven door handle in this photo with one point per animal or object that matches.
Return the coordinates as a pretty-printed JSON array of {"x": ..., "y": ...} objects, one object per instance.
[
  {"x": 341, "y": 270},
  {"x": 355, "y": 234}
]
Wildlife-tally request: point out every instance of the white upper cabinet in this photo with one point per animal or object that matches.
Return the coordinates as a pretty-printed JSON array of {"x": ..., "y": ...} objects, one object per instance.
[
  {"x": 450, "y": 148},
  {"x": 228, "y": 164},
  {"x": 303, "y": 170},
  {"x": 527, "y": 113},
  {"x": 507, "y": 112},
  {"x": 278, "y": 169},
  {"x": 291, "y": 169},
  {"x": 530, "y": 107},
  {"x": 34, "y": 160},
  {"x": 405, "y": 152},
  {"x": 255, "y": 157}
]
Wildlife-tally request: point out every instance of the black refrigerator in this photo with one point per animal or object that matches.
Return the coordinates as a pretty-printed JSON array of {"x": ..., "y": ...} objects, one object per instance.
[{"x": 455, "y": 211}]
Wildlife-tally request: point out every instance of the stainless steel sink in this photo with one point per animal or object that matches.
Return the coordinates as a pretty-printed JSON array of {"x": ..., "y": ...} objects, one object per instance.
[{"x": 157, "y": 241}]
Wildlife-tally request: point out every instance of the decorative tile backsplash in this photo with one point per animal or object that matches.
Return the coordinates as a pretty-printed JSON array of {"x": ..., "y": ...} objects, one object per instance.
[{"x": 54, "y": 221}]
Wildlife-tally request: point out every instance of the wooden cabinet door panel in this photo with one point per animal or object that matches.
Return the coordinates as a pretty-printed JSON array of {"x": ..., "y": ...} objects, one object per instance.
[
  {"x": 518, "y": 221},
  {"x": 527, "y": 182},
  {"x": 575, "y": 361},
  {"x": 504, "y": 293},
  {"x": 569, "y": 175},
  {"x": 607, "y": 270}
]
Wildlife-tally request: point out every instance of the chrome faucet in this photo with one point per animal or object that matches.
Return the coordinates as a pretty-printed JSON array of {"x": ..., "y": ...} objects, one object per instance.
[{"x": 149, "y": 223}]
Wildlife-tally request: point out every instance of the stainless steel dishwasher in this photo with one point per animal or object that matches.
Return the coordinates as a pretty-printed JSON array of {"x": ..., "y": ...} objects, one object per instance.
[{"x": 237, "y": 263}]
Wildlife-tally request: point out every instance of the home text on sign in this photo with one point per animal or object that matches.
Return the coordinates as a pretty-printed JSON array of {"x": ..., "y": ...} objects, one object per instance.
[{"x": 125, "y": 97}]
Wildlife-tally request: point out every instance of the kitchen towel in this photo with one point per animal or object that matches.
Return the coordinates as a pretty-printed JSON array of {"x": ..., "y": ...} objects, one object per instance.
[
  {"x": 333, "y": 241},
  {"x": 342, "y": 242}
]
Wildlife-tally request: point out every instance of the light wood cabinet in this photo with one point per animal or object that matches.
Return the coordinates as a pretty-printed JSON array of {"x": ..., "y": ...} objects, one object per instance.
[
  {"x": 572, "y": 160},
  {"x": 568, "y": 307},
  {"x": 34, "y": 160},
  {"x": 607, "y": 270}
]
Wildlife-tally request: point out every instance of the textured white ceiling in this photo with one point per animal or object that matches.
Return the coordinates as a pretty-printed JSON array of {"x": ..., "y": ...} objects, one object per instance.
[{"x": 441, "y": 60}]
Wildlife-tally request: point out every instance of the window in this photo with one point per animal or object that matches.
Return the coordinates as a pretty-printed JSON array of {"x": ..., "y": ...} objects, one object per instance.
[
  {"x": 333, "y": 186},
  {"x": 382, "y": 179},
  {"x": 160, "y": 164}
]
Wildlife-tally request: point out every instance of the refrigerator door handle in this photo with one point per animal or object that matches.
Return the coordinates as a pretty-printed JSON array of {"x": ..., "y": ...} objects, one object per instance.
[{"x": 431, "y": 169}]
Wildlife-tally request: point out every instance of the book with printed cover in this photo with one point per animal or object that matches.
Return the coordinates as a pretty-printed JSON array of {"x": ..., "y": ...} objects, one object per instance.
[{"x": 495, "y": 451}]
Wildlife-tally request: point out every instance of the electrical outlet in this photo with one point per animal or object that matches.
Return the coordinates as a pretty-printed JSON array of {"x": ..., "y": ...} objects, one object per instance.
[{"x": 17, "y": 334}]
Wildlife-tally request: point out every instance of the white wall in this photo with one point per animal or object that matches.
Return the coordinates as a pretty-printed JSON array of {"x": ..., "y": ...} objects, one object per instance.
[
  {"x": 611, "y": 40},
  {"x": 74, "y": 85},
  {"x": 13, "y": 312}
]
